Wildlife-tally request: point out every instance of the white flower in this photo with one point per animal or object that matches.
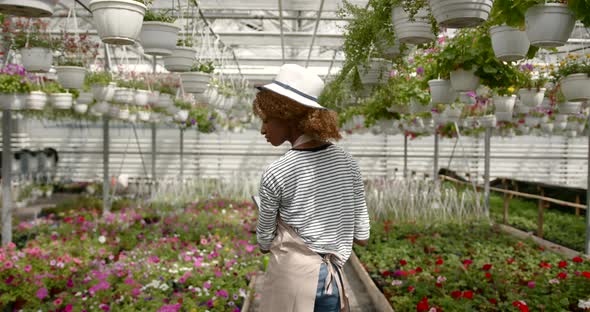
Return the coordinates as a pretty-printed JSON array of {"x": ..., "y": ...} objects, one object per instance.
[
  {"x": 441, "y": 279},
  {"x": 584, "y": 304},
  {"x": 102, "y": 239},
  {"x": 397, "y": 283},
  {"x": 553, "y": 281},
  {"x": 432, "y": 310}
]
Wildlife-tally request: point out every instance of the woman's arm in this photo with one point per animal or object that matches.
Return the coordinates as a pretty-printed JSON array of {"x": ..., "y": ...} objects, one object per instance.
[{"x": 267, "y": 212}]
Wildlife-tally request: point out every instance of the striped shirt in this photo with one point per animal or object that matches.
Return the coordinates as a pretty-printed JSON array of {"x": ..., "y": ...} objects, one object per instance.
[{"x": 319, "y": 192}]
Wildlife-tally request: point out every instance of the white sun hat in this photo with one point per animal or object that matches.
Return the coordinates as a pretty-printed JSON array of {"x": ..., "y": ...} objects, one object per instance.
[{"x": 297, "y": 83}]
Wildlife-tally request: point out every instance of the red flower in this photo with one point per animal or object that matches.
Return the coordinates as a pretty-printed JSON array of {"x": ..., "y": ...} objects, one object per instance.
[
  {"x": 493, "y": 301},
  {"x": 439, "y": 285},
  {"x": 385, "y": 273},
  {"x": 456, "y": 294},
  {"x": 403, "y": 262},
  {"x": 562, "y": 264},
  {"x": 578, "y": 260},
  {"x": 423, "y": 305},
  {"x": 488, "y": 275},
  {"x": 521, "y": 305},
  {"x": 412, "y": 272},
  {"x": 419, "y": 269},
  {"x": 468, "y": 294},
  {"x": 411, "y": 288},
  {"x": 510, "y": 260},
  {"x": 545, "y": 265},
  {"x": 486, "y": 267},
  {"x": 586, "y": 274},
  {"x": 439, "y": 261},
  {"x": 562, "y": 275}
]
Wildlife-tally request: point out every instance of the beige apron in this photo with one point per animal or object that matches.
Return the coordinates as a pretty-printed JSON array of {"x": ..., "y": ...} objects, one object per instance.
[{"x": 291, "y": 280}]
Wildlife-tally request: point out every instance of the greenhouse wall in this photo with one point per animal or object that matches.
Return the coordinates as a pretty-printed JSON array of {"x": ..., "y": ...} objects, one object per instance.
[{"x": 555, "y": 160}]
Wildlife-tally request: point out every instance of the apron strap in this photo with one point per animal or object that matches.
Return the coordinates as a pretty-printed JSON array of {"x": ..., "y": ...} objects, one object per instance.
[{"x": 335, "y": 274}]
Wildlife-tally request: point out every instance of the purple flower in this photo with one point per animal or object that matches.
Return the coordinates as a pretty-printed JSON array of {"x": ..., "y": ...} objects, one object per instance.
[
  {"x": 193, "y": 122},
  {"x": 42, "y": 293},
  {"x": 222, "y": 293},
  {"x": 420, "y": 70},
  {"x": 471, "y": 94}
]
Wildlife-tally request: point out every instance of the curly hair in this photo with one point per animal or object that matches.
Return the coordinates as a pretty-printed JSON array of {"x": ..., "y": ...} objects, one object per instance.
[{"x": 320, "y": 124}]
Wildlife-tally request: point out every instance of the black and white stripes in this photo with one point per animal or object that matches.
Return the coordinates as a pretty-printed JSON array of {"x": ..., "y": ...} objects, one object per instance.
[{"x": 318, "y": 192}]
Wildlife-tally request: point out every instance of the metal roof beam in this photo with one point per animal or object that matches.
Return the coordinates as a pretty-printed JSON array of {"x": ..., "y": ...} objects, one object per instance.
[{"x": 315, "y": 31}]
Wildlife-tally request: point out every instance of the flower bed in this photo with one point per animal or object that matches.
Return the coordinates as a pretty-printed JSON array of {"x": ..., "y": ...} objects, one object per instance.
[
  {"x": 150, "y": 259},
  {"x": 470, "y": 267}
]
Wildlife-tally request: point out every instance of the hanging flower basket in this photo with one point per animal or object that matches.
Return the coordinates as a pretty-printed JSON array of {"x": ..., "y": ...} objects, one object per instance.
[
  {"x": 36, "y": 59},
  {"x": 123, "y": 96},
  {"x": 71, "y": 77},
  {"x": 509, "y": 43},
  {"x": 123, "y": 114},
  {"x": 570, "y": 107},
  {"x": 158, "y": 38},
  {"x": 118, "y": 21},
  {"x": 103, "y": 92},
  {"x": 576, "y": 87},
  {"x": 143, "y": 115},
  {"x": 85, "y": 98},
  {"x": 464, "y": 80},
  {"x": 376, "y": 71},
  {"x": 61, "y": 100},
  {"x": 101, "y": 108},
  {"x": 36, "y": 100},
  {"x": 165, "y": 100},
  {"x": 504, "y": 103},
  {"x": 531, "y": 97},
  {"x": 181, "y": 59},
  {"x": 488, "y": 121},
  {"x": 521, "y": 109},
  {"x": 503, "y": 116},
  {"x": 418, "y": 31},
  {"x": 549, "y": 25},
  {"x": 181, "y": 115},
  {"x": 460, "y": 13},
  {"x": 531, "y": 121},
  {"x": 141, "y": 97},
  {"x": 547, "y": 128},
  {"x": 195, "y": 82},
  {"x": 29, "y": 8},
  {"x": 132, "y": 117},
  {"x": 80, "y": 108},
  {"x": 441, "y": 91},
  {"x": 13, "y": 101}
]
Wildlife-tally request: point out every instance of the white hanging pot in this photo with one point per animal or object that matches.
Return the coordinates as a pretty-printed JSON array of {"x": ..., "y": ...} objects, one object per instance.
[
  {"x": 373, "y": 73},
  {"x": 172, "y": 110},
  {"x": 441, "y": 91},
  {"x": 29, "y": 8},
  {"x": 101, "y": 108},
  {"x": 113, "y": 111},
  {"x": 464, "y": 80},
  {"x": 123, "y": 114},
  {"x": 418, "y": 31},
  {"x": 453, "y": 113},
  {"x": 118, "y": 21},
  {"x": 13, "y": 101},
  {"x": 532, "y": 121},
  {"x": 503, "y": 116},
  {"x": 576, "y": 87},
  {"x": 547, "y": 128},
  {"x": 531, "y": 97},
  {"x": 201, "y": 98},
  {"x": 132, "y": 117},
  {"x": 391, "y": 51},
  {"x": 158, "y": 38},
  {"x": 570, "y": 107},
  {"x": 143, "y": 115},
  {"x": 80, "y": 108},
  {"x": 195, "y": 82},
  {"x": 181, "y": 115},
  {"x": 460, "y": 13},
  {"x": 36, "y": 100},
  {"x": 504, "y": 103},
  {"x": 153, "y": 98},
  {"x": 560, "y": 125},
  {"x": 104, "y": 93},
  {"x": 71, "y": 77},
  {"x": 180, "y": 60},
  {"x": 85, "y": 98},
  {"x": 61, "y": 100},
  {"x": 488, "y": 121},
  {"x": 549, "y": 25},
  {"x": 123, "y": 96},
  {"x": 509, "y": 43},
  {"x": 572, "y": 125},
  {"x": 521, "y": 109},
  {"x": 155, "y": 117},
  {"x": 36, "y": 59},
  {"x": 141, "y": 97},
  {"x": 165, "y": 100}
]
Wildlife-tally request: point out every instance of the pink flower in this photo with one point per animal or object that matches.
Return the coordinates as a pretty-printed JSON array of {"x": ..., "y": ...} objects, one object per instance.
[
  {"x": 170, "y": 308},
  {"x": 57, "y": 302},
  {"x": 207, "y": 285},
  {"x": 250, "y": 248},
  {"x": 531, "y": 284},
  {"x": 42, "y": 293},
  {"x": 8, "y": 264},
  {"x": 69, "y": 308},
  {"x": 27, "y": 268}
]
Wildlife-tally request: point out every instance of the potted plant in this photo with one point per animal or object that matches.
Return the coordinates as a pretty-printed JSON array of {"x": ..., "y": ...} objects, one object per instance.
[
  {"x": 124, "y": 93},
  {"x": 102, "y": 86},
  {"x": 509, "y": 43},
  {"x": 577, "y": 122},
  {"x": 29, "y": 8},
  {"x": 59, "y": 98},
  {"x": 460, "y": 13},
  {"x": 143, "y": 114},
  {"x": 532, "y": 89},
  {"x": 76, "y": 52},
  {"x": 573, "y": 75},
  {"x": 37, "y": 99},
  {"x": 34, "y": 43},
  {"x": 535, "y": 117},
  {"x": 182, "y": 57},
  {"x": 504, "y": 99},
  {"x": 118, "y": 21},
  {"x": 412, "y": 22},
  {"x": 549, "y": 24},
  {"x": 197, "y": 79},
  {"x": 167, "y": 87},
  {"x": 158, "y": 34},
  {"x": 142, "y": 94},
  {"x": 14, "y": 87}
]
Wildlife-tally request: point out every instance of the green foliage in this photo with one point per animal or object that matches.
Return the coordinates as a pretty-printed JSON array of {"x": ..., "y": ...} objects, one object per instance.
[
  {"x": 167, "y": 89},
  {"x": 204, "y": 67},
  {"x": 51, "y": 87},
  {"x": 581, "y": 9},
  {"x": 202, "y": 118},
  {"x": 98, "y": 78},
  {"x": 572, "y": 64},
  {"x": 187, "y": 42},
  {"x": 165, "y": 16},
  {"x": 64, "y": 61},
  {"x": 182, "y": 104},
  {"x": 14, "y": 84},
  {"x": 512, "y": 12}
]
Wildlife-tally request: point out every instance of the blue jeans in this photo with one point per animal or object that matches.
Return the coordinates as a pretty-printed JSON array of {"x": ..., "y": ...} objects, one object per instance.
[{"x": 324, "y": 302}]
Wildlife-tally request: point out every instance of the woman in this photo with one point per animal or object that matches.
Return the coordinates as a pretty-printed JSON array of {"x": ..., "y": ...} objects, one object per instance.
[{"x": 312, "y": 203}]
